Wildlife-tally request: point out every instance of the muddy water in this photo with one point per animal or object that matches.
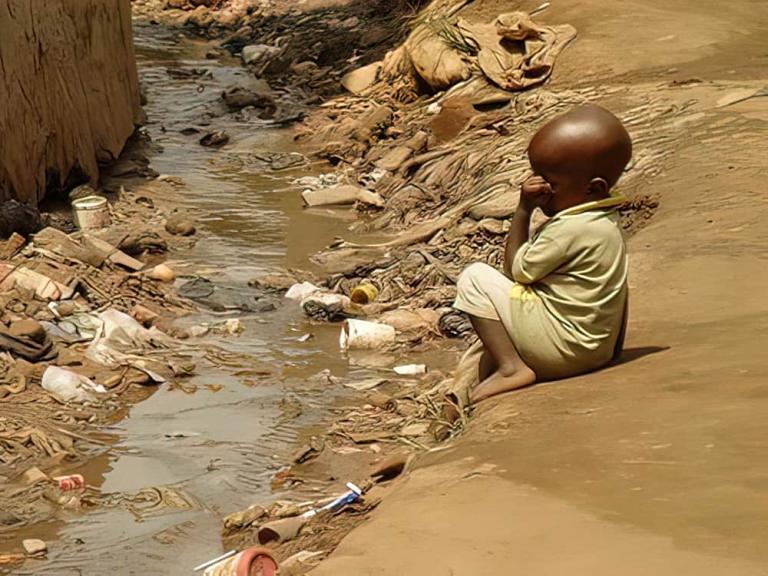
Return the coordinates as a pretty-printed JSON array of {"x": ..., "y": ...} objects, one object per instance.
[{"x": 236, "y": 424}]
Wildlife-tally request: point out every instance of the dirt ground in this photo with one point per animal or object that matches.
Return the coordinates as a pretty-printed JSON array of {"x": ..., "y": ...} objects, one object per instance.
[{"x": 652, "y": 466}]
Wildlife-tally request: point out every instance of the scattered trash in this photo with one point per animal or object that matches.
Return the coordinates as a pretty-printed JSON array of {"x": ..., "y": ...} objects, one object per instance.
[
  {"x": 353, "y": 494},
  {"x": 305, "y": 338},
  {"x": 364, "y": 294},
  {"x": 281, "y": 530},
  {"x": 35, "y": 547},
  {"x": 325, "y": 306},
  {"x": 216, "y": 560},
  {"x": 44, "y": 288},
  {"x": 411, "y": 369},
  {"x": 68, "y": 386},
  {"x": 315, "y": 182},
  {"x": 250, "y": 561},
  {"x": 301, "y": 291},
  {"x": 364, "y": 335},
  {"x": 286, "y": 529},
  {"x": 234, "y": 326},
  {"x": 71, "y": 482},
  {"x": 91, "y": 213}
]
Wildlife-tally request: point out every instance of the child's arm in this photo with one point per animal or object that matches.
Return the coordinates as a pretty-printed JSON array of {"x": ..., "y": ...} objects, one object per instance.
[{"x": 534, "y": 192}]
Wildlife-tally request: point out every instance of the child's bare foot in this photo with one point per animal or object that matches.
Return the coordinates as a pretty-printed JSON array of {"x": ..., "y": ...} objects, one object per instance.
[{"x": 505, "y": 379}]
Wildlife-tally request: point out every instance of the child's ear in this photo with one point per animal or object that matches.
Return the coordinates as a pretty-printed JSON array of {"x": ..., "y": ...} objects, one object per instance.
[{"x": 598, "y": 187}]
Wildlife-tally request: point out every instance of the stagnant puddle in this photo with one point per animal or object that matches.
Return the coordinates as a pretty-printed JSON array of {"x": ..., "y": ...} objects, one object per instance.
[{"x": 212, "y": 446}]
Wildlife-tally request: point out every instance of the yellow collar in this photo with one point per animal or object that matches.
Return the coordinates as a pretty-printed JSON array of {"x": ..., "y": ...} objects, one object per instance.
[{"x": 616, "y": 200}]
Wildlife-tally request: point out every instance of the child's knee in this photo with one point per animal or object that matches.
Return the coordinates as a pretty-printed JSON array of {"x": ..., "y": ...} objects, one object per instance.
[{"x": 472, "y": 276}]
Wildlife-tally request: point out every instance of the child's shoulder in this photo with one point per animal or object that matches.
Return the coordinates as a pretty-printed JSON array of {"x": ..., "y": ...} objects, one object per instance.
[{"x": 593, "y": 226}]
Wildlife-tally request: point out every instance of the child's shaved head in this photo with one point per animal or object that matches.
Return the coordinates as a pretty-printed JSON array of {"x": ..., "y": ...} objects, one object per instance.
[{"x": 581, "y": 154}]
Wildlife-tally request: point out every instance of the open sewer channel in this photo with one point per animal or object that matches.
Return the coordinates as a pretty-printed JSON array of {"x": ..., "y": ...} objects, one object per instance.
[{"x": 210, "y": 447}]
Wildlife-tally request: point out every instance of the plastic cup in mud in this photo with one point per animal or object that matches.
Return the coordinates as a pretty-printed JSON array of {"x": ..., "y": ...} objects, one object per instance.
[
  {"x": 250, "y": 562},
  {"x": 91, "y": 213},
  {"x": 364, "y": 294},
  {"x": 71, "y": 482},
  {"x": 364, "y": 335}
]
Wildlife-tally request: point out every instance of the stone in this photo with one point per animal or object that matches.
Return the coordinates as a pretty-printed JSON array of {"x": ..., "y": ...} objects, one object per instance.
[
  {"x": 370, "y": 198},
  {"x": 162, "y": 273},
  {"x": 9, "y": 247},
  {"x": 395, "y": 158},
  {"x": 305, "y": 67},
  {"x": 274, "y": 282},
  {"x": 35, "y": 547},
  {"x": 338, "y": 195},
  {"x": 65, "y": 309},
  {"x": 28, "y": 328},
  {"x": 34, "y": 475},
  {"x": 143, "y": 315},
  {"x": 373, "y": 123},
  {"x": 361, "y": 79},
  {"x": 179, "y": 226},
  {"x": 214, "y": 139},
  {"x": 259, "y": 53},
  {"x": 237, "y": 98}
]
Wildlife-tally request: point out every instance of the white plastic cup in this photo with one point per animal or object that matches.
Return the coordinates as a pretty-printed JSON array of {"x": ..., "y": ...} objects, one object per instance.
[
  {"x": 91, "y": 213},
  {"x": 363, "y": 335}
]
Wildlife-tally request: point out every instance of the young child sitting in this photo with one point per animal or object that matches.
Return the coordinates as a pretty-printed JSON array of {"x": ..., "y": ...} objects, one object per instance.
[{"x": 559, "y": 309}]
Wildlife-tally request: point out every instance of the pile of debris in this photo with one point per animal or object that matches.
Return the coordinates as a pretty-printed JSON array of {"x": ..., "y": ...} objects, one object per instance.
[{"x": 79, "y": 327}]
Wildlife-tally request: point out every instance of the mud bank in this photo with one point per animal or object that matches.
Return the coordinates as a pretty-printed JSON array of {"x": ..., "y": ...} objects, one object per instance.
[{"x": 70, "y": 94}]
